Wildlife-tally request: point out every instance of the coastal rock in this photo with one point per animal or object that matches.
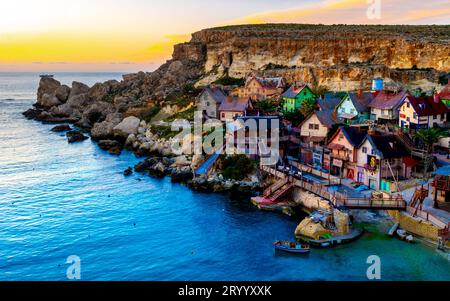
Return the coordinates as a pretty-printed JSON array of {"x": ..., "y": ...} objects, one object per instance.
[
  {"x": 78, "y": 89},
  {"x": 97, "y": 112},
  {"x": 109, "y": 144},
  {"x": 197, "y": 160},
  {"x": 47, "y": 88},
  {"x": 104, "y": 130},
  {"x": 127, "y": 127},
  {"x": 181, "y": 175},
  {"x": 115, "y": 151},
  {"x": 48, "y": 101},
  {"x": 62, "y": 93},
  {"x": 128, "y": 172},
  {"x": 181, "y": 161},
  {"x": 61, "y": 128},
  {"x": 75, "y": 136}
]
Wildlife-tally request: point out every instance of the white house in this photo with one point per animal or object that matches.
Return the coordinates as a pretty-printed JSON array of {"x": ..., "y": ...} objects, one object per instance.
[{"x": 423, "y": 112}]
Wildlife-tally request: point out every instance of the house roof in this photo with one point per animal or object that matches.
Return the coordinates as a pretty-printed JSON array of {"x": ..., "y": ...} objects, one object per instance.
[
  {"x": 361, "y": 100},
  {"x": 293, "y": 91},
  {"x": 388, "y": 100},
  {"x": 329, "y": 101},
  {"x": 445, "y": 93},
  {"x": 260, "y": 120},
  {"x": 427, "y": 106},
  {"x": 353, "y": 135},
  {"x": 234, "y": 104},
  {"x": 326, "y": 118},
  {"x": 388, "y": 146},
  {"x": 216, "y": 93},
  {"x": 268, "y": 82}
]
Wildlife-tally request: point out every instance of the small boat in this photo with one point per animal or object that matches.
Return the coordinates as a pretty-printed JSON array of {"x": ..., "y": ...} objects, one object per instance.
[
  {"x": 405, "y": 236},
  {"x": 291, "y": 247},
  {"x": 46, "y": 76},
  {"x": 402, "y": 233}
]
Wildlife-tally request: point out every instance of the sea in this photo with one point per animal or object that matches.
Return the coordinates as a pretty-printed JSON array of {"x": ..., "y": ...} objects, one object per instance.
[{"x": 61, "y": 201}]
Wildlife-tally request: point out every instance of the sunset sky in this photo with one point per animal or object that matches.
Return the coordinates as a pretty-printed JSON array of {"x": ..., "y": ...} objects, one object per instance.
[{"x": 117, "y": 35}]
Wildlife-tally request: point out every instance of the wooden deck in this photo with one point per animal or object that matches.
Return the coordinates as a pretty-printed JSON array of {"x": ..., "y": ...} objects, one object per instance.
[{"x": 338, "y": 199}]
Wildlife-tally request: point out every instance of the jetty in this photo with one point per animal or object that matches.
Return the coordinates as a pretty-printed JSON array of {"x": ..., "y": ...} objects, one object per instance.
[{"x": 335, "y": 198}]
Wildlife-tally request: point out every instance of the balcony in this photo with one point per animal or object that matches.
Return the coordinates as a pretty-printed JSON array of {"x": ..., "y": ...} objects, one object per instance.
[{"x": 342, "y": 157}]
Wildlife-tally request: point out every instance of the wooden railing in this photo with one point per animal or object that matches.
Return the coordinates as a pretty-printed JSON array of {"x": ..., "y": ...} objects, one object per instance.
[
  {"x": 425, "y": 215},
  {"x": 333, "y": 180},
  {"x": 338, "y": 199}
]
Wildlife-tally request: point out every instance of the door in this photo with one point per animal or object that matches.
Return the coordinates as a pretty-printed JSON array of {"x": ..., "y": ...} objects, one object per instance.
[
  {"x": 373, "y": 184},
  {"x": 361, "y": 177}
]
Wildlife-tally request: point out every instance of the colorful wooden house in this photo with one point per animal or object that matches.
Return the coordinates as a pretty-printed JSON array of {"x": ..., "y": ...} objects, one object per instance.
[
  {"x": 354, "y": 107},
  {"x": 386, "y": 105},
  {"x": 423, "y": 112},
  {"x": 295, "y": 96},
  {"x": 441, "y": 188},
  {"x": 315, "y": 128},
  {"x": 210, "y": 100},
  {"x": 260, "y": 88},
  {"x": 381, "y": 161},
  {"x": 344, "y": 146},
  {"x": 234, "y": 107}
]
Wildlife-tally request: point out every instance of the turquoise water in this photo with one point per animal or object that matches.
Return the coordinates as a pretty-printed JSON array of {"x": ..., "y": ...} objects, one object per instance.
[{"x": 59, "y": 200}]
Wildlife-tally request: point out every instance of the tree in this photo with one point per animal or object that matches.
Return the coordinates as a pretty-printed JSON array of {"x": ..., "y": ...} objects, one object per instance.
[
  {"x": 431, "y": 136},
  {"x": 308, "y": 106}
]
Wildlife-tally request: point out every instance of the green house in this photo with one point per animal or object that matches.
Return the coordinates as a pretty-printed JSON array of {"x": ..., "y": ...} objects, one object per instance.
[{"x": 295, "y": 96}]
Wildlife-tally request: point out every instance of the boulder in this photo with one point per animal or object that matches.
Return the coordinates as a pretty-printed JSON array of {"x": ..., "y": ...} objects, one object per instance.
[
  {"x": 47, "y": 85},
  {"x": 109, "y": 144},
  {"x": 197, "y": 160},
  {"x": 127, "y": 127},
  {"x": 181, "y": 161},
  {"x": 78, "y": 89},
  {"x": 116, "y": 151},
  {"x": 105, "y": 130},
  {"x": 61, "y": 128},
  {"x": 48, "y": 101},
  {"x": 75, "y": 136},
  {"x": 62, "y": 93},
  {"x": 128, "y": 172}
]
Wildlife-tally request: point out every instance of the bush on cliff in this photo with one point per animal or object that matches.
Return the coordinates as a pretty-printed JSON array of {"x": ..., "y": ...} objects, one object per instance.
[
  {"x": 230, "y": 81},
  {"x": 236, "y": 167}
]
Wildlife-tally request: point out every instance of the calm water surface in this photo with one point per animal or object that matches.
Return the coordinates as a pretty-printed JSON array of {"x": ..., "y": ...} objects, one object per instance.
[{"x": 59, "y": 200}]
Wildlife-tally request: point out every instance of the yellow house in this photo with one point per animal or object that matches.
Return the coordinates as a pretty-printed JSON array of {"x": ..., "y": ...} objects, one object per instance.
[{"x": 260, "y": 88}]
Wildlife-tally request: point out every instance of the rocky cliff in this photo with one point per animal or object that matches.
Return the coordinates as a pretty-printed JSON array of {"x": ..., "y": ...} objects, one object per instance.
[{"x": 339, "y": 57}]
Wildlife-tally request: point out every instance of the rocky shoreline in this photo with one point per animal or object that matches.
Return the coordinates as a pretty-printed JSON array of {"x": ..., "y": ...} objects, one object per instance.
[{"x": 80, "y": 113}]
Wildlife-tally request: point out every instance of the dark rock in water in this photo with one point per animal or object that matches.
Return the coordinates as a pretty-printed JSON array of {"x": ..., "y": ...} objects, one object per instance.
[
  {"x": 61, "y": 128},
  {"x": 116, "y": 150},
  {"x": 128, "y": 172},
  {"x": 75, "y": 136},
  {"x": 109, "y": 144},
  {"x": 181, "y": 175},
  {"x": 45, "y": 117},
  {"x": 32, "y": 113}
]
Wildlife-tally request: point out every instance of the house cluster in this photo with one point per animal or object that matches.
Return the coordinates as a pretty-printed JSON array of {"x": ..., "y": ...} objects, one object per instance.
[{"x": 362, "y": 136}]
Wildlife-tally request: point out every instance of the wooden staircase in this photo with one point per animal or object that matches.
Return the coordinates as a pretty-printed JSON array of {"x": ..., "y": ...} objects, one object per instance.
[{"x": 280, "y": 193}]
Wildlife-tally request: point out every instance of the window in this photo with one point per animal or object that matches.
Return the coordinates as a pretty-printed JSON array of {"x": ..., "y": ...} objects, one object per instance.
[
  {"x": 442, "y": 116},
  {"x": 223, "y": 115},
  {"x": 415, "y": 115},
  {"x": 311, "y": 126},
  {"x": 408, "y": 105},
  {"x": 316, "y": 126},
  {"x": 373, "y": 152},
  {"x": 364, "y": 150}
]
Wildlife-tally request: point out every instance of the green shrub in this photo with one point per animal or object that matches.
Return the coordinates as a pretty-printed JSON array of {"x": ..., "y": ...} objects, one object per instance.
[
  {"x": 236, "y": 167},
  {"x": 230, "y": 81}
]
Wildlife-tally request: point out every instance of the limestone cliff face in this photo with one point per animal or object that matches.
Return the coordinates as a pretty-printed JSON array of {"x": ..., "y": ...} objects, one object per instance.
[{"x": 339, "y": 57}]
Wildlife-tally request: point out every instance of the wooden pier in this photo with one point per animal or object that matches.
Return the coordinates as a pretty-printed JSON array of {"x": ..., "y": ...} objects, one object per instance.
[{"x": 338, "y": 199}]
